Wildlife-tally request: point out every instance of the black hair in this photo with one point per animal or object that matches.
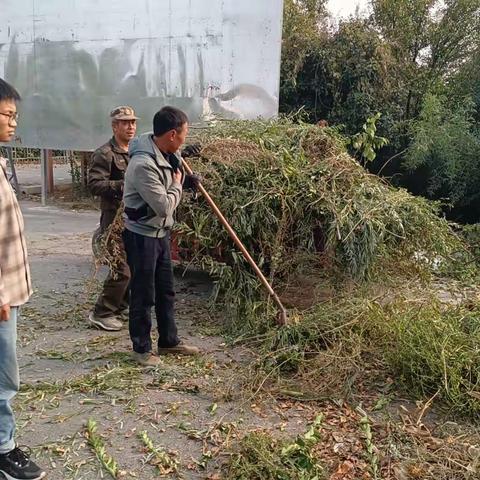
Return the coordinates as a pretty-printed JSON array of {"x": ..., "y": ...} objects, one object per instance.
[
  {"x": 7, "y": 92},
  {"x": 168, "y": 118}
]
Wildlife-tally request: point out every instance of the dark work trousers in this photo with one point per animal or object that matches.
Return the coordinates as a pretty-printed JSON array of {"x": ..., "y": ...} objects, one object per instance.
[
  {"x": 115, "y": 292},
  {"x": 151, "y": 285}
]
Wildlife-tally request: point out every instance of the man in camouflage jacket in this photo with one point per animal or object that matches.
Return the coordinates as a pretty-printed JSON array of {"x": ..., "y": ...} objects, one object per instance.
[{"x": 105, "y": 179}]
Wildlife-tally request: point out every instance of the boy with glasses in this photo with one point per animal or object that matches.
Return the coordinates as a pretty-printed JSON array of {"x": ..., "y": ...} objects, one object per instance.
[{"x": 15, "y": 290}]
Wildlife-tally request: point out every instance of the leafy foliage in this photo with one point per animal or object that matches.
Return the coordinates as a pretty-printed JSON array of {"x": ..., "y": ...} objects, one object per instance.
[
  {"x": 261, "y": 457},
  {"x": 446, "y": 144},
  {"x": 367, "y": 142},
  {"x": 300, "y": 203}
]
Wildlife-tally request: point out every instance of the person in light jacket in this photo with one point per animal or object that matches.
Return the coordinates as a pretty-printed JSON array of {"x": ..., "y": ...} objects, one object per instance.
[{"x": 15, "y": 290}]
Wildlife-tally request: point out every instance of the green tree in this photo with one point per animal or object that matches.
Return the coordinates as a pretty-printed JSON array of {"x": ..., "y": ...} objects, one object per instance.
[
  {"x": 303, "y": 29},
  {"x": 446, "y": 145},
  {"x": 465, "y": 84},
  {"x": 429, "y": 38},
  {"x": 345, "y": 77}
]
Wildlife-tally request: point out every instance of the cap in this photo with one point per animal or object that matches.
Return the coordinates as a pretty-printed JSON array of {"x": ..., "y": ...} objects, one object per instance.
[{"x": 123, "y": 112}]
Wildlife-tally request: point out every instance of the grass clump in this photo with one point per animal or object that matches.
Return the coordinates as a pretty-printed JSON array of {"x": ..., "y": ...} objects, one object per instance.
[
  {"x": 434, "y": 348},
  {"x": 428, "y": 347},
  {"x": 261, "y": 457}
]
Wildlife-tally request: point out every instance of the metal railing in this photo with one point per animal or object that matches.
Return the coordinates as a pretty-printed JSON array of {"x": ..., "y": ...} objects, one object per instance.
[{"x": 27, "y": 156}]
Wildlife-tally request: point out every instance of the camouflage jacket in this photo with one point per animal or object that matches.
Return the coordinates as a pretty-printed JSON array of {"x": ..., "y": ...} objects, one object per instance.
[{"x": 106, "y": 174}]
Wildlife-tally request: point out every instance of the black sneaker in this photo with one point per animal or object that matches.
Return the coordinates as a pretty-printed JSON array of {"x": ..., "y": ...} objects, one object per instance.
[{"x": 16, "y": 465}]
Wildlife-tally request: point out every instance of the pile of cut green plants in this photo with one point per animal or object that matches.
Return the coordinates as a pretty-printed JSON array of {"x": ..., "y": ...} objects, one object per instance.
[
  {"x": 305, "y": 208},
  {"x": 302, "y": 206}
]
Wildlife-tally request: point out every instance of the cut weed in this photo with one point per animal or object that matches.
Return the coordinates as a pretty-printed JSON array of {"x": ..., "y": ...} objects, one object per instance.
[
  {"x": 165, "y": 462},
  {"x": 98, "y": 446},
  {"x": 259, "y": 456}
]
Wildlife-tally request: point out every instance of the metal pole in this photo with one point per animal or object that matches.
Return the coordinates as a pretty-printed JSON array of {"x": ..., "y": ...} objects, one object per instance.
[
  {"x": 50, "y": 176},
  {"x": 282, "y": 314},
  {"x": 44, "y": 174}
]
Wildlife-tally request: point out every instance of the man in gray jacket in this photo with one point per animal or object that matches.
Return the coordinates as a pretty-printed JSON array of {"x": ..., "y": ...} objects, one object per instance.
[{"x": 154, "y": 181}]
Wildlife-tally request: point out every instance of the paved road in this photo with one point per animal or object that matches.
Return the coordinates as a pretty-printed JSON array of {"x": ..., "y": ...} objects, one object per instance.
[
  {"x": 31, "y": 175},
  {"x": 51, "y": 220}
]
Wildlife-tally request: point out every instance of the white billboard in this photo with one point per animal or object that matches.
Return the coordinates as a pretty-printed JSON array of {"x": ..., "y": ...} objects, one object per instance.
[{"x": 74, "y": 60}]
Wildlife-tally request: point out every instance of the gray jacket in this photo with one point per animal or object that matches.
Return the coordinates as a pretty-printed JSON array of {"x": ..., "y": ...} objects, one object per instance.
[{"x": 149, "y": 185}]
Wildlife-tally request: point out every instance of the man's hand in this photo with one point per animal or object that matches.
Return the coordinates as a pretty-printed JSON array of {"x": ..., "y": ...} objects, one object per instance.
[
  {"x": 4, "y": 313},
  {"x": 192, "y": 182},
  {"x": 177, "y": 177},
  {"x": 191, "y": 150}
]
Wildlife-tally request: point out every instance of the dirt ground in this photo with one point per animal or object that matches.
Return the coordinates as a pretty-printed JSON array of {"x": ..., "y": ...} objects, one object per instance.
[{"x": 83, "y": 400}]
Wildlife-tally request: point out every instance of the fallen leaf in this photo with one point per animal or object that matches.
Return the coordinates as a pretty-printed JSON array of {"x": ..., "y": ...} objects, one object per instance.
[{"x": 343, "y": 469}]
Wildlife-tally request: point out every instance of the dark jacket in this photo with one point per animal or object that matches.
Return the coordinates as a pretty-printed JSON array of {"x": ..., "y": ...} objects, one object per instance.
[{"x": 106, "y": 175}]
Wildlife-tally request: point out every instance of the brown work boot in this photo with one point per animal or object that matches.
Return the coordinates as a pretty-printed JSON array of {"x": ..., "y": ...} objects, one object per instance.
[
  {"x": 180, "y": 349},
  {"x": 147, "y": 359}
]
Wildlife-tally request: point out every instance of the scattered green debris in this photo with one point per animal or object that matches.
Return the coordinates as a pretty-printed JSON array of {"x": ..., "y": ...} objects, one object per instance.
[
  {"x": 213, "y": 408},
  {"x": 98, "y": 446},
  {"x": 259, "y": 456},
  {"x": 166, "y": 462},
  {"x": 372, "y": 452},
  {"x": 108, "y": 378},
  {"x": 57, "y": 355}
]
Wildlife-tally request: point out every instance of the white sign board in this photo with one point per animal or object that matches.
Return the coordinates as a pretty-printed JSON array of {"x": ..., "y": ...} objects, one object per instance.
[{"x": 74, "y": 60}]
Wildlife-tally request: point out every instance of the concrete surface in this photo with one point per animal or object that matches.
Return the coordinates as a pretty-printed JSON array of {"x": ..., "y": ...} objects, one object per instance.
[{"x": 30, "y": 175}]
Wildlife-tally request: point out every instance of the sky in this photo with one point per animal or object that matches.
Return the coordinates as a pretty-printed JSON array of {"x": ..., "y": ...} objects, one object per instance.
[{"x": 344, "y": 8}]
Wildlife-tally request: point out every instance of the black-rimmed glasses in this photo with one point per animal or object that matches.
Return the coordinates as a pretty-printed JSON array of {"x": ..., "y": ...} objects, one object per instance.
[{"x": 11, "y": 116}]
